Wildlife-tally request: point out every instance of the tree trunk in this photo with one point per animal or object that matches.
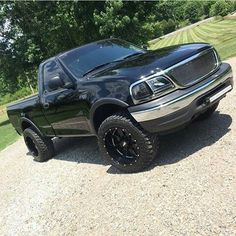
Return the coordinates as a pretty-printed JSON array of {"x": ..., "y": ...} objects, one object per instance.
[{"x": 28, "y": 81}]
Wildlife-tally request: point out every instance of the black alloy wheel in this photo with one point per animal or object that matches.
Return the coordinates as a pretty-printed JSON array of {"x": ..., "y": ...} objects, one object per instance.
[
  {"x": 121, "y": 146},
  {"x": 125, "y": 145}
]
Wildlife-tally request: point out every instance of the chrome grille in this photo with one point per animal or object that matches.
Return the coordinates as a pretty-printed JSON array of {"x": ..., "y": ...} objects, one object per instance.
[{"x": 192, "y": 71}]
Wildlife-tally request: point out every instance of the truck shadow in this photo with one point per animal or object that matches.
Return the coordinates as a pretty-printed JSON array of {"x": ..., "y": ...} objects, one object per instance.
[
  {"x": 80, "y": 150},
  {"x": 198, "y": 135},
  {"x": 174, "y": 147}
]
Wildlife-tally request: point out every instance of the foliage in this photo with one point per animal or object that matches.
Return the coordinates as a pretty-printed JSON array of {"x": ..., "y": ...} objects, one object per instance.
[
  {"x": 193, "y": 11},
  {"x": 168, "y": 26},
  {"x": 127, "y": 20},
  {"x": 9, "y": 97},
  {"x": 221, "y": 8},
  {"x": 184, "y": 23},
  {"x": 206, "y": 6}
]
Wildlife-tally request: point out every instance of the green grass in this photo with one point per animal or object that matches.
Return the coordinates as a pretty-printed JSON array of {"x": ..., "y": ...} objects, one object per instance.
[
  {"x": 220, "y": 33},
  {"x": 8, "y": 134}
]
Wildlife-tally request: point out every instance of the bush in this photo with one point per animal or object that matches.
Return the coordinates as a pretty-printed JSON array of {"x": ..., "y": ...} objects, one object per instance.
[
  {"x": 221, "y": 8},
  {"x": 207, "y": 6},
  {"x": 193, "y": 11},
  {"x": 24, "y": 92},
  {"x": 168, "y": 26},
  {"x": 183, "y": 24},
  {"x": 152, "y": 30}
]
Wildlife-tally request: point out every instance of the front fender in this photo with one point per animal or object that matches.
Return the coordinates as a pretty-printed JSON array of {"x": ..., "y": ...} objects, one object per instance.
[{"x": 103, "y": 102}]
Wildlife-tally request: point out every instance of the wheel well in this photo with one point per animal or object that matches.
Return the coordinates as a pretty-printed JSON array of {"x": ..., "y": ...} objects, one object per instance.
[
  {"x": 25, "y": 125},
  {"x": 103, "y": 112}
]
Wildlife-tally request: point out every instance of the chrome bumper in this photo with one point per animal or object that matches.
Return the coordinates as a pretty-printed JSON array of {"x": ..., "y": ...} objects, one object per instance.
[{"x": 177, "y": 103}]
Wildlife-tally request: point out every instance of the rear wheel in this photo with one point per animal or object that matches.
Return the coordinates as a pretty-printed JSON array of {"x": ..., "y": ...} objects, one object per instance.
[
  {"x": 208, "y": 113},
  {"x": 41, "y": 148},
  {"x": 125, "y": 145}
]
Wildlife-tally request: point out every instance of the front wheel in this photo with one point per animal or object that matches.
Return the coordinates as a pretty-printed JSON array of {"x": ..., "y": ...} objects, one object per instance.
[{"x": 125, "y": 145}]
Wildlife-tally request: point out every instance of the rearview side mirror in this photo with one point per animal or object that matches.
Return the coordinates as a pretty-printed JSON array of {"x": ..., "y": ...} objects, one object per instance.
[
  {"x": 58, "y": 82},
  {"x": 55, "y": 83}
]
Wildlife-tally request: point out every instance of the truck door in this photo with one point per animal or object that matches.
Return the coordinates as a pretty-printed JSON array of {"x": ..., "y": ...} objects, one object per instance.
[{"x": 61, "y": 103}]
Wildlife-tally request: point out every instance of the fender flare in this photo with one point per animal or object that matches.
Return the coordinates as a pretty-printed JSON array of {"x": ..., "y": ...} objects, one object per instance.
[
  {"x": 101, "y": 102},
  {"x": 24, "y": 119}
]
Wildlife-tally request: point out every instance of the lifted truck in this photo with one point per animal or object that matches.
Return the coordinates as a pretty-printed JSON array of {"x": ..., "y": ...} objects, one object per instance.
[{"x": 124, "y": 95}]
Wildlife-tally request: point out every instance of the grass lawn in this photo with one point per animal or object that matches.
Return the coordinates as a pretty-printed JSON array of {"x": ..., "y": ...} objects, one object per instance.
[
  {"x": 8, "y": 134},
  {"x": 220, "y": 33}
]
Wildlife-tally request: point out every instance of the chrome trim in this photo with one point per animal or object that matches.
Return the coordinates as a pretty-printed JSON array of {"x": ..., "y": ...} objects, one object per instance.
[
  {"x": 221, "y": 93},
  {"x": 164, "y": 74},
  {"x": 179, "y": 102},
  {"x": 191, "y": 59},
  {"x": 153, "y": 96}
]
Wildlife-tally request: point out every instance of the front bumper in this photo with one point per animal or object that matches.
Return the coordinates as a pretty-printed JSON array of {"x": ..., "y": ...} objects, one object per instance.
[{"x": 181, "y": 106}]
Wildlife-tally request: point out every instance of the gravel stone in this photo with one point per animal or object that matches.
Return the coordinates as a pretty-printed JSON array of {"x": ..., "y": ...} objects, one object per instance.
[{"x": 189, "y": 190}]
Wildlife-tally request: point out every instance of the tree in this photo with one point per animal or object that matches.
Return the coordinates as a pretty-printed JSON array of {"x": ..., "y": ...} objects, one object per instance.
[
  {"x": 168, "y": 26},
  {"x": 32, "y": 31},
  {"x": 193, "y": 10},
  {"x": 125, "y": 20},
  {"x": 221, "y": 8},
  {"x": 207, "y": 6}
]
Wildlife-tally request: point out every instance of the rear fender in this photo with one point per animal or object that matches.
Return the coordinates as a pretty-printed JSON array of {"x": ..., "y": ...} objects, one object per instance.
[{"x": 25, "y": 120}]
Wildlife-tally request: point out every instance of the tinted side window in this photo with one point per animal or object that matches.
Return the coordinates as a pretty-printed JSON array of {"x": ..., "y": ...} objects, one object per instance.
[{"x": 50, "y": 70}]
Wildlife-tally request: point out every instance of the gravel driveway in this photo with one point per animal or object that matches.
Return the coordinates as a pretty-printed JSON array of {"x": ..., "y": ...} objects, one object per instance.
[{"x": 190, "y": 189}]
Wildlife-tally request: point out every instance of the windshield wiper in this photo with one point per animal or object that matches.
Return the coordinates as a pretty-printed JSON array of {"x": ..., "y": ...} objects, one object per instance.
[
  {"x": 97, "y": 67},
  {"x": 132, "y": 55},
  {"x": 107, "y": 63}
]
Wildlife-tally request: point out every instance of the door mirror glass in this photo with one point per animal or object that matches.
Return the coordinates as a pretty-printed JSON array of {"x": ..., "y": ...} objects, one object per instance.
[
  {"x": 55, "y": 83},
  {"x": 54, "y": 78}
]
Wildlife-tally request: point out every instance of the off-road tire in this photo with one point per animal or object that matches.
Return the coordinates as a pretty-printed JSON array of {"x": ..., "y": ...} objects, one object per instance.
[
  {"x": 44, "y": 148},
  {"x": 208, "y": 113},
  {"x": 148, "y": 144}
]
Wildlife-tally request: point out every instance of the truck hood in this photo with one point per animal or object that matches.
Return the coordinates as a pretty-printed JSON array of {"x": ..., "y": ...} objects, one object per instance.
[{"x": 145, "y": 64}]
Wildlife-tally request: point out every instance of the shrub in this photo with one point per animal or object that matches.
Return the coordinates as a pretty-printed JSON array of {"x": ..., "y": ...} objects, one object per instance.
[
  {"x": 221, "y": 8},
  {"x": 183, "y": 23},
  {"x": 168, "y": 26},
  {"x": 193, "y": 11},
  {"x": 23, "y": 92}
]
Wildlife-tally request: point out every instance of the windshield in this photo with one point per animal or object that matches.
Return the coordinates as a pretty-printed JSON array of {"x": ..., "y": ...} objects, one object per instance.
[{"x": 84, "y": 59}]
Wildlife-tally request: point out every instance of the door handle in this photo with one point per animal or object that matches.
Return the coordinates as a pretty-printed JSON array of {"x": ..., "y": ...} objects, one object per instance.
[{"x": 46, "y": 105}]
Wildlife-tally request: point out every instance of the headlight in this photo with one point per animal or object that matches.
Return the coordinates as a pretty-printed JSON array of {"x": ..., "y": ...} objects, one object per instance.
[
  {"x": 159, "y": 84},
  {"x": 150, "y": 88},
  {"x": 141, "y": 91}
]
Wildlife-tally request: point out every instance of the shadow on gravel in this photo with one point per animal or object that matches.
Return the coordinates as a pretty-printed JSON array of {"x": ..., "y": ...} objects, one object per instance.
[
  {"x": 174, "y": 147},
  {"x": 80, "y": 150},
  {"x": 199, "y": 134}
]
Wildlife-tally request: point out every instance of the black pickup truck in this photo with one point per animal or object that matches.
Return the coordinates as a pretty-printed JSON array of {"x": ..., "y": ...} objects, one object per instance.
[{"x": 125, "y": 95}]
